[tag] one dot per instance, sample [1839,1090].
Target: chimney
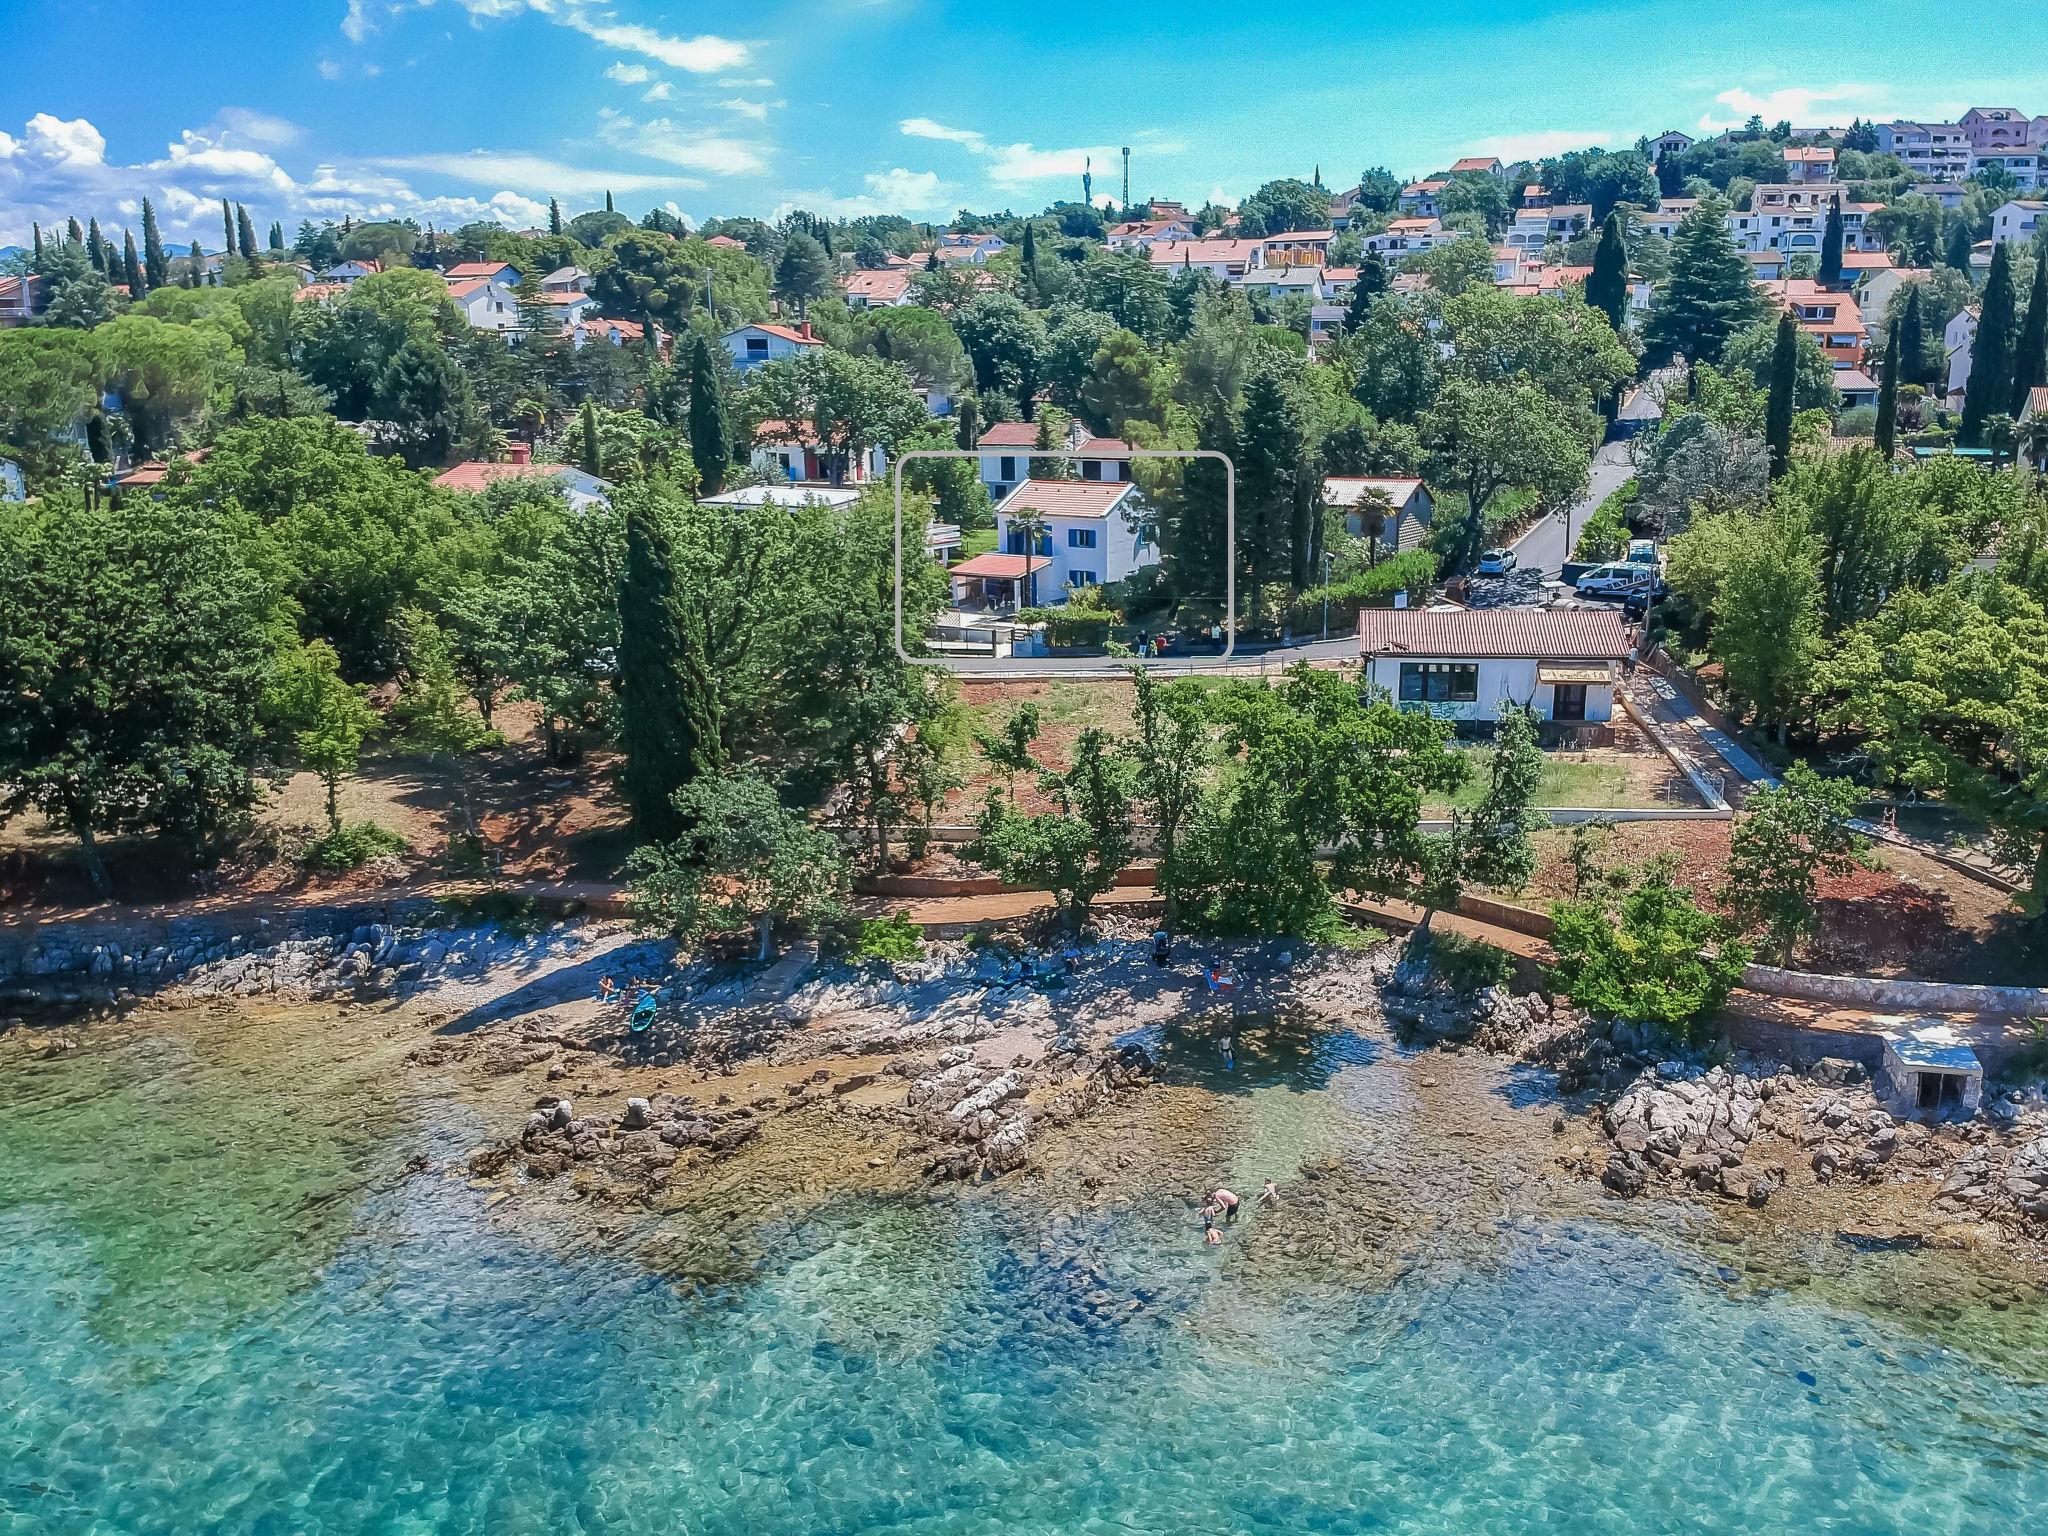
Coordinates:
[517,452]
[804,329]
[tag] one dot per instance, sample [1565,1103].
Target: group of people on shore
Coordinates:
[1222,1202]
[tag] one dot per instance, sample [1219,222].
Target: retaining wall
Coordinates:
[1899,996]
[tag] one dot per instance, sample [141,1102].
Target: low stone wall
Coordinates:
[1899,996]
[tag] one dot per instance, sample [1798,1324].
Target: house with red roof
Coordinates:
[1465,665]
[1006,456]
[793,453]
[882,288]
[583,489]
[488,305]
[763,342]
[1090,532]
[490,271]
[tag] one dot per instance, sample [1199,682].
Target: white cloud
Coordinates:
[698,55]
[1802,106]
[71,142]
[629,74]
[356,25]
[891,191]
[329,70]
[925,128]
[757,110]
[259,127]
[535,172]
[661,90]
[758,84]
[663,139]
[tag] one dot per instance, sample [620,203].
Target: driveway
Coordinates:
[1544,547]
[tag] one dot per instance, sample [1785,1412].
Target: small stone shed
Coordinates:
[1929,1072]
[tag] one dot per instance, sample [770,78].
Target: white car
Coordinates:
[1497,562]
[1617,578]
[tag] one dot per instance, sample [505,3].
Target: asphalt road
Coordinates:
[1543,546]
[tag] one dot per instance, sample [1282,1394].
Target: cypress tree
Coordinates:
[73,235]
[96,245]
[1030,257]
[156,266]
[967,428]
[2030,360]
[1913,339]
[656,730]
[608,208]
[1778,413]
[1888,396]
[554,216]
[593,460]
[710,430]
[277,237]
[131,267]
[1607,283]
[227,225]
[1831,247]
[196,267]
[1989,390]
[1371,283]
[36,235]
[245,234]
[1956,253]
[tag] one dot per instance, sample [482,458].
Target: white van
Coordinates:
[1617,578]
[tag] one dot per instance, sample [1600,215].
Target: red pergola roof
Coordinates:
[993,567]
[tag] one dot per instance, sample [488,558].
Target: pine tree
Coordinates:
[155,265]
[1831,247]
[1371,283]
[73,235]
[1780,410]
[245,234]
[656,729]
[1607,283]
[593,459]
[1991,353]
[36,234]
[277,237]
[2030,359]
[554,216]
[710,428]
[1710,297]
[96,246]
[1888,396]
[967,427]
[131,267]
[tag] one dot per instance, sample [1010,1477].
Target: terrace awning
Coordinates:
[994,567]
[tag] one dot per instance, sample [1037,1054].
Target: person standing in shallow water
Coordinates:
[1223,1201]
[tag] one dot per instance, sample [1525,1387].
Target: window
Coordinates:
[1083,579]
[1439,682]
[1091,469]
[1080,538]
[1008,470]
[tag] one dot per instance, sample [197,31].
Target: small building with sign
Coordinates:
[1463,664]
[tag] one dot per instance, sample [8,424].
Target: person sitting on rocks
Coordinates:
[607,989]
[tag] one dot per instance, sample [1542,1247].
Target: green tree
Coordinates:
[1767,619]
[554,216]
[245,235]
[1125,384]
[1784,380]
[1370,284]
[1173,756]
[131,268]
[2030,356]
[1075,850]
[745,860]
[1888,396]
[710,424]
[804,274]
[80,297]
[325,718]
[1659,958]
[1493,845]
[1709,298]
[132,661]
[1484,438]
[156,266]
[1789,835]
[1278,482]
[1831,247]
[1607,283]
[665,732]
[1990,385]
[591,455]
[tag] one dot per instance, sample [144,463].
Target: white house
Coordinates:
[1143,234]
[791,452]
[1670,142]
[1419,198]
[787,495]
[1399,506]
[566,280]
[2017,220]
[1937,151]
[1809,163]
[1874,289]
[347,272]
[583,489]
[1006,456]
[571,306]
[1283,282]
[1226,258]
[1536,227]
[1092,532]
[613,333]
[882,288]
[971,248]
[489,271]
[1957,340]
[753,345]
[488,305]
[1465,664]
[1406,237]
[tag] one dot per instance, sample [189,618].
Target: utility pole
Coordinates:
[1127,175]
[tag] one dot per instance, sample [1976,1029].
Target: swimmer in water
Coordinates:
[1270,1195]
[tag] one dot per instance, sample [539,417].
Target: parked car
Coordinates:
[1496,562]
[1617,578]
[1637,605]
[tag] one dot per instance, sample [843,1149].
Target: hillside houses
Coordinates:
[1089,532]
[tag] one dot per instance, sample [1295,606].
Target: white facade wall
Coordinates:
[1501,681]
[1116,553]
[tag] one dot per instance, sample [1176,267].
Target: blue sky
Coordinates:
[456,109]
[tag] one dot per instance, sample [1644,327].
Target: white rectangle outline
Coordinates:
[1229,536]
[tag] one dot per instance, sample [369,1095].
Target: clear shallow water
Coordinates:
[229,1307]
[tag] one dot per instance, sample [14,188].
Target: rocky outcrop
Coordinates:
[1683,1125]
[627,1158]
[980,1117]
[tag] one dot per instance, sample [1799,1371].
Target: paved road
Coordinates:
[1543,547]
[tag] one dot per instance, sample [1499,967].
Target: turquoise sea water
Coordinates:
[230,1307]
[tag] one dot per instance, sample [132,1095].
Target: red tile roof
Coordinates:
[887,283]
[475,476]
[1173,252]
[785,332]
[1349,490]
[726,243]
[998,567]
[1475,163]
[1105,447]
[1575,634]
[153,472]
[464,269]
[1009,434]
[1066,498]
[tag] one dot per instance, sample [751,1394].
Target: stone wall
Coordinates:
[1894,995]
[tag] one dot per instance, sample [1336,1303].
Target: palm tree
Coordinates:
[1028,527]
[1374,509]
[2032,439]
